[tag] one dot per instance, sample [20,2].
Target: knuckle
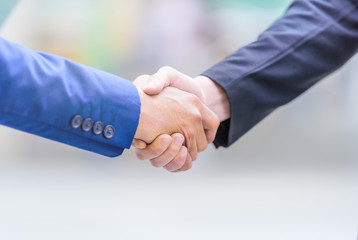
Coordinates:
[190,132]
[202,148]
[166,69]
[141,77]
[157,151]
[197,118]
[194,100]
[172,152]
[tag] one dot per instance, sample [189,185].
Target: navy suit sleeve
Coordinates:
[313,39]
[40,93]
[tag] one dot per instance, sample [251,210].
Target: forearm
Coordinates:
[40,93]
[313,39]
[215,97]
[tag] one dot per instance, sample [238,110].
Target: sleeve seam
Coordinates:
[290,48]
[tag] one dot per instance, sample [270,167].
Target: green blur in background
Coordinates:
[5,8]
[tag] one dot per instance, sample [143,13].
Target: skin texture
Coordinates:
[173,111]
[209,92]
[204,88]
[216,98]
[166,152]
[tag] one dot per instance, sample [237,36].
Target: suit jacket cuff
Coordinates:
[313,39]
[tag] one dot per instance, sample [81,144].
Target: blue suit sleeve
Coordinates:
[313,39]
[41,93]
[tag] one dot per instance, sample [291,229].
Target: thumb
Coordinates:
[139,144]
[160,80]
[167,76]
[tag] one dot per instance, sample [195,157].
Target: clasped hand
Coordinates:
[175,123]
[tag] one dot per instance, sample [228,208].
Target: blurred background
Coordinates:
[294,176]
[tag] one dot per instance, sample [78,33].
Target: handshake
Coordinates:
[179,118]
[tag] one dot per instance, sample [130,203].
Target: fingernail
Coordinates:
[179,141]
[138,145]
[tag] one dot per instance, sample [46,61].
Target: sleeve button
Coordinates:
[76,121]
[87,125]
[108,132]
[98,128]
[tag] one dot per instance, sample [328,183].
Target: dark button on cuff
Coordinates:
[76,121]
[98,128]
[87,125]
[108,132]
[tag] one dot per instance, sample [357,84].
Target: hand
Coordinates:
[206,89]
[166,151]
[209,92]
[176,111]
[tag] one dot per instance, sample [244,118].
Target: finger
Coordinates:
[191,145]
[167,76]
[139,144]
[155,149]
[210,123]
[187,165]
[141,81]
[158,81]
[201,141]
[170,153]
[178,161]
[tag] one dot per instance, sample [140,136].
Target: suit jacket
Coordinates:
[58,99]
[313,39]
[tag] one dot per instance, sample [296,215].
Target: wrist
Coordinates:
[216,97]
[142,129]
[150,124]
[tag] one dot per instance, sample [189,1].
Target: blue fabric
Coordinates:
[313,39]
[40,93]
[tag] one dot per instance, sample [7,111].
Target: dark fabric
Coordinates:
[313,39]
